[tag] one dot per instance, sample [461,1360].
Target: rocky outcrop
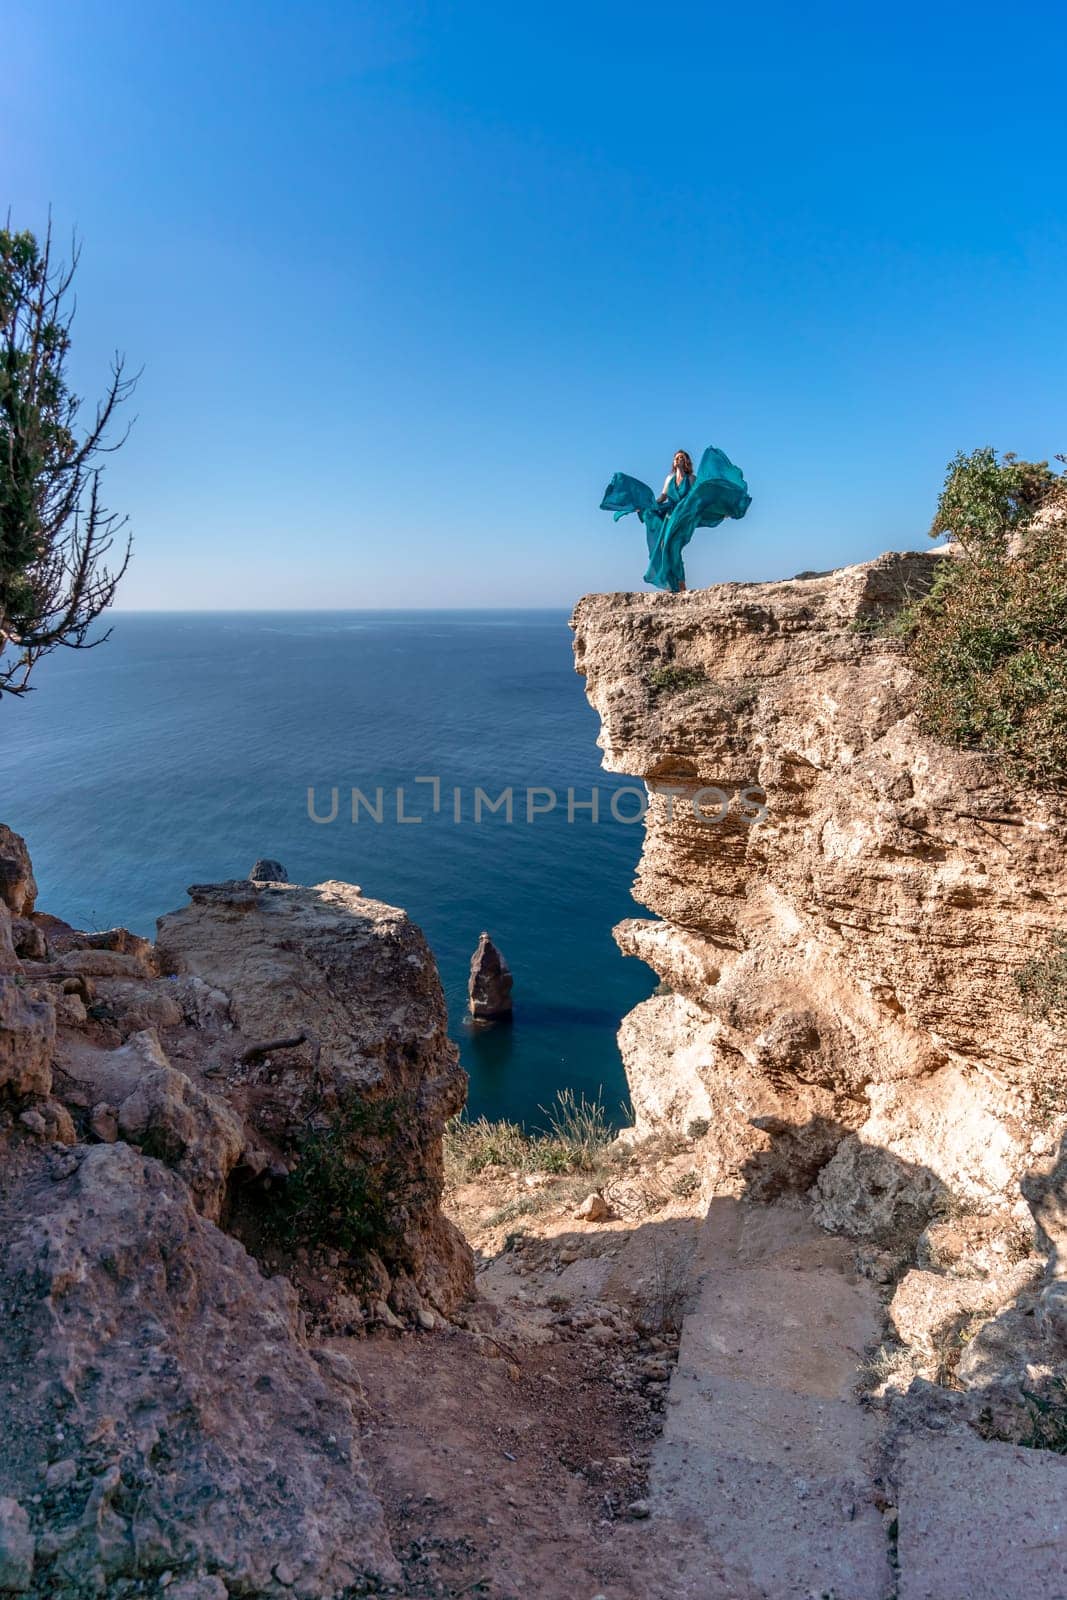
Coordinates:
[490,984]
[842,907]
[198,1166]
[177,1420]
[18,887]
[27,1039]
[342,1031]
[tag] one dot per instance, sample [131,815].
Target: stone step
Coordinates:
[980,1521]
[765,1450]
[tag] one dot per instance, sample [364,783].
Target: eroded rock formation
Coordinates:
[490,985]
[842,908]
[166,1410]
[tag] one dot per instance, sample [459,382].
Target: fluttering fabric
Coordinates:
[717,491]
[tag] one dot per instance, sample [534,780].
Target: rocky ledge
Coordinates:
[842,908]
[210,1147]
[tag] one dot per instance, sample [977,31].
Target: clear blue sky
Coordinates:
[409,281]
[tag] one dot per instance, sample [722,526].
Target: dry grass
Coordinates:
[662,1308]
[577,1137]
[891,1366]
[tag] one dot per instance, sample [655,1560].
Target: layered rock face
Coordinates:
[160,1106]
[843,905]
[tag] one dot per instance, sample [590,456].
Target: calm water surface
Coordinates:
[184,748]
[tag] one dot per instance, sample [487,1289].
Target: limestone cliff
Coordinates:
[842,907]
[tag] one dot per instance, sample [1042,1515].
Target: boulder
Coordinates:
[489,988]
[29,940]
[174,1376]
[367,1077]
[137,1004]
[927,1306]
[16,1548]
[91,962]
[49,1119]
[870,1193]
[9,961]
[196,1133]
[268,871]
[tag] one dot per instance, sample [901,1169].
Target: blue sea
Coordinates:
[184,748]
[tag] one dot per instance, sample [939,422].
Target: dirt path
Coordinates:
[506,1480]
[566,1445]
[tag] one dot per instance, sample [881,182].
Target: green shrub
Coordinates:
[990,640]
[985,498]
[350,1182]
[1048,1419]
[1042,982]
[673,679]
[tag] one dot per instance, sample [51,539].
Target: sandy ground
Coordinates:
[511,1454]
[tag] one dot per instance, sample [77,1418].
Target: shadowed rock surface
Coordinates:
[268,871]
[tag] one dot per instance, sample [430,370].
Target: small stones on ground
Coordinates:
[426,1320]
[61,1474]
[594,1208]
[638,1510]
[387,1318]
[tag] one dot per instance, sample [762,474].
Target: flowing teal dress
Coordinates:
[717,491]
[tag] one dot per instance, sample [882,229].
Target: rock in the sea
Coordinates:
[175,1376]
[489,989]
[268,871]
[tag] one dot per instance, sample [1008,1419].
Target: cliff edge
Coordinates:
[842,909]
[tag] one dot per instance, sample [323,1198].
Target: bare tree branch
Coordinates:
[55,531]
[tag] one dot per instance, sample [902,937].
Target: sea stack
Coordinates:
[489,989]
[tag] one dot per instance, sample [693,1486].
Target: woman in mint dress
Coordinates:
[690,500]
